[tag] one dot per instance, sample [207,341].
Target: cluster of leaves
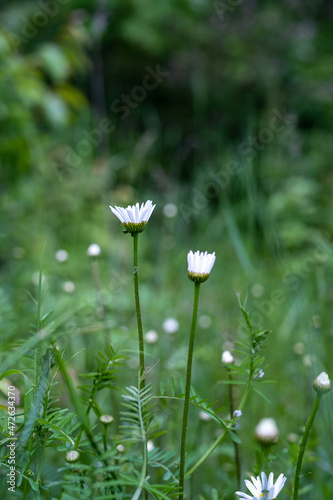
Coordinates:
[250,345]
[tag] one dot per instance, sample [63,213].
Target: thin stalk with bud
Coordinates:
[199,268]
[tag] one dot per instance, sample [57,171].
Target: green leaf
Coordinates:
[162,386]
[261,394]
[234,437]
[172,386]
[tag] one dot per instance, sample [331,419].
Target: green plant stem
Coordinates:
[138,310]
[144,471]
[187,391]
[79,434]
[105,438]
[236,448]
[303,445]
[141,345]
[37,367]
[264,454]
[41,457]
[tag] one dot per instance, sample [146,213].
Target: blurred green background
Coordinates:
[222,114]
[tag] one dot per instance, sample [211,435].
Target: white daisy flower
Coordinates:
[322,383]
[134,218]
[263,489]
[200,265]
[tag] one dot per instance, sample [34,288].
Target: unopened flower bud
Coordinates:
[151,337]
[61,255]
[150,445]
[227,358]
[322,383]
[106,419]
[266,431]
[72,456]
[94,250]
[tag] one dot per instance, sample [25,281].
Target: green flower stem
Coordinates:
[105,438]
[303,445]
[187,391]
[37,366]
[236,447]
[141,346]
[264,454]
[138,310]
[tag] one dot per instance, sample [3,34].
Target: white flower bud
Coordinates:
[227,358]
[150,445]
[151,337]
[322,383]
[267,431]
[72,456]
[61,256]
[170,325]
[106,419]
[94,250]
[68,287]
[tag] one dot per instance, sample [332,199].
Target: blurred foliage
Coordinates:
[66,67]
